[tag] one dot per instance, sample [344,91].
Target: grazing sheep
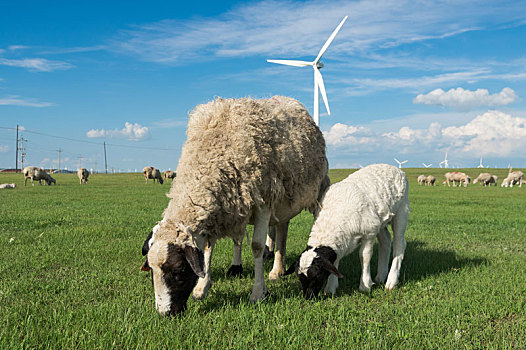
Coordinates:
[152,173]
[430,180]
[513,178]
[354,212]
[421,179]
[486,179]
[245,161]
[454,177]
[169,174]
[35,173]
[83,174]
[7,186]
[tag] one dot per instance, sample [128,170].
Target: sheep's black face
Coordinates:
[313,280]
[175,273]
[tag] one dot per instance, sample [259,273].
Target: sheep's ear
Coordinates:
[145,266]
[196,260]
[327,265]
[291,269]
[146,244]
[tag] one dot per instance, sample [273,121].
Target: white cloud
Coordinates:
[493,133]
[132,132]
[4,148]
[36,64]
[17,47]
[17,101]
[295,29]
[465,100]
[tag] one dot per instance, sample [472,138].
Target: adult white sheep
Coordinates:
[150,172]
[245,161]
[354,212]
[430,180]
[457,177]
[36,173]
[421,179]
[169,174]
[513,178]
[486,179]
[83,175]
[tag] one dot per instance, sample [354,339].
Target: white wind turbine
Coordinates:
[400,163]
[446,164]
[318,79]
[480,165]
[426,165]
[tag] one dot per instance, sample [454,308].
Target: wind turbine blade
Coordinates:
[396,160]
[316,100]
[291,63]
[319,80]
[329,41]
[405,161]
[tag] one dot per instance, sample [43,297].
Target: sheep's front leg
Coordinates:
[366,252]
[281,248]
[203,284]
[399,225]
[332,281]
[384,252]
[259,292]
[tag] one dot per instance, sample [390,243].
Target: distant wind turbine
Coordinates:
[446,164]
[400,163]
[426,165]
[318,79]
[480,165]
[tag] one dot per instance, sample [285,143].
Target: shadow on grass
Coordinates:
[419,263]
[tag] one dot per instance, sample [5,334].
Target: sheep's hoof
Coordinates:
[258,296]
[379,280]
[200,291]
[275,275]
[267,254]
[365,289]
[390,284]
[235,271]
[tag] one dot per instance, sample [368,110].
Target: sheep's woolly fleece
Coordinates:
[370,196]
[241,154]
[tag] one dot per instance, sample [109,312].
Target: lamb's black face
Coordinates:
[175,273]
[313,281]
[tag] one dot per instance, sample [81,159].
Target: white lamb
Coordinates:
[7,186]
[354,212]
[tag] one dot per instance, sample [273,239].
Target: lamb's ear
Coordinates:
[145,266]
[291,269]
[327,265]
[196,260]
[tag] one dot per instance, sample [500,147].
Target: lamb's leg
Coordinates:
[281,249]
[332,281]
[262,218]
[384,252]
[399,225]
[366,252]
[203,284]
[237,268]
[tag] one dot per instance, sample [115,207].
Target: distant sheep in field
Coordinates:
[421,179]
[83,175]
[7,186]
[430,180]
[354,212]
[513,178]
[152,173]
[457,177]
[169,174]
[245,161]
[35,173]
[486,179]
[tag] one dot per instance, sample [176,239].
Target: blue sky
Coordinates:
[404,79]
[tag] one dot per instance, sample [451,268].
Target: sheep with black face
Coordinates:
[354,212]
[245,161]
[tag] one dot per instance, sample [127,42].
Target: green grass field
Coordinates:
[70,258]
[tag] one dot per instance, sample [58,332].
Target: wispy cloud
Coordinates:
[18,101]
[465,100]
[132,132]
[17,47]
[36,64]
[294,29]
[4,148]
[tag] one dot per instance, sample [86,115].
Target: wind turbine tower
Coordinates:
[400,163]
[480,165]
[318,79]
[445,162]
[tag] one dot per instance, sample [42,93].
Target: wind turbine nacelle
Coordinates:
[319,64]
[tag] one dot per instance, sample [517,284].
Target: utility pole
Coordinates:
[16,161]
[105,159]
[59,151]
[22,153]
[80,161]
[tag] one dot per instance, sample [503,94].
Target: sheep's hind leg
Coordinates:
[203,284]
[259,292]
[281,249]
[384,252]
[269,246]
[237,268]
[399,225]
[366,252]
